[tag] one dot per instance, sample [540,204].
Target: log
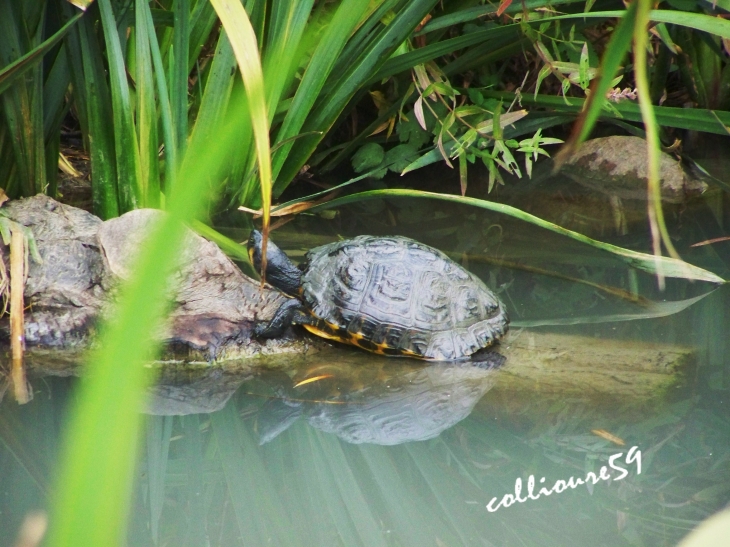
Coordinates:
[552,366]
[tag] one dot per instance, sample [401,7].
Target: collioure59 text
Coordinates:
[560,486]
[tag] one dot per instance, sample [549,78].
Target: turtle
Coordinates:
[388,295]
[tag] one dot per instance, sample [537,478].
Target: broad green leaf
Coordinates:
[369,156]
[400,156]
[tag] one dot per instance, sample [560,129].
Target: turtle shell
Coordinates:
[396,296]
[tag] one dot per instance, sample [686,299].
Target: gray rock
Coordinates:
[214,305]
[65,291]
[618,166]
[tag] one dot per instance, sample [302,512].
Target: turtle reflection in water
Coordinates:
[381,403]
[388,295]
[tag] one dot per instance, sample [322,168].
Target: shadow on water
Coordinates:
[344,448]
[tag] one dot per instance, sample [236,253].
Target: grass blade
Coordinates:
[670,267]
[179,74]
[217,93]
[129,176]
[323,60]
[93,104]
[657,225]
[22,103]
[168,133]
[244,44]
[18,67]
[94,489]
[146,112]
[343,86]
[696,119]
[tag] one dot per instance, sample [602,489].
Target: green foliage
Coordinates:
[368,157]
[439,129]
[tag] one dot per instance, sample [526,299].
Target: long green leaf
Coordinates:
[323,59]
[697,21]
[179,74]
[202,21]
[95,482]
[126,149]
[288,21]
[421,55]
[670,267]
[168,131]
[657,226]
[650,310]
[217,93]
[696,119]
[17,68]
[243,40]
[146,112]
[93,102]
[55,108]
[342,87]
[468,15]
[23,102]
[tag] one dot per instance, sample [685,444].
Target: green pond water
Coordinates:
[390,452]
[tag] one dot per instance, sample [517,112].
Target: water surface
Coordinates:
[381,452]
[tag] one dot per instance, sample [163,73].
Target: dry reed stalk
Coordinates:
[17,324]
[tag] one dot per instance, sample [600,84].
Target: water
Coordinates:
[378,451]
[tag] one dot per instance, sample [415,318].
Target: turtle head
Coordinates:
[281,272]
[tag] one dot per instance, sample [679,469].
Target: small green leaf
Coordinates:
[585,78]
[368,157]
[399,157]
[544,73]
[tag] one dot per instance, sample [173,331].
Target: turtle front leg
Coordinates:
[289,313]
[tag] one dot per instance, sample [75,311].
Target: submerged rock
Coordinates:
[618,166]
[214,305]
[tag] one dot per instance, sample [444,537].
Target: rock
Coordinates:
[214,304]
[618,166]
[65,292]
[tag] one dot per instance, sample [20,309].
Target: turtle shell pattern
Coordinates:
[395,296]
